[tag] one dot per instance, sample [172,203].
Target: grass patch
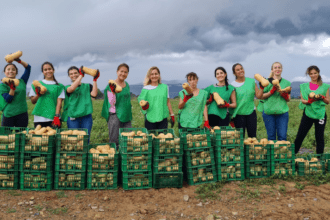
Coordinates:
[61,194]
[38,207]
[58,211]
[10,210]
[79,196]
[14,193]
[209,190]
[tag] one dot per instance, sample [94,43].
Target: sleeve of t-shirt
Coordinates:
[62,95]
[26,74]
[168,92]
[8,98]
[32,92]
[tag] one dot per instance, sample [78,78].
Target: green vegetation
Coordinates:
[10,210]
[61,194]
[14,193]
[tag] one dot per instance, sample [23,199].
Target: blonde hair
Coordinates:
[271,75]
[147,80]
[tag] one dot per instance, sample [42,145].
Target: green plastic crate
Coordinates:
[167,163]
[137,180]
[207,174]
[70,180]
[36,181]
[9,180]
[227,137]
[229,154]
[311,168]
[11,139]
[282,151]
[283,167]
[38,143]
[102,180]
[136,162]
[138,144]
[189,141]
[71,143]
[199,157]
[167,180]
[257,153]
[257,169]
[192,130]
[70,162]
[102,161]
[165,145]
[36,161]
[144,130]
[9,161]
[230,171]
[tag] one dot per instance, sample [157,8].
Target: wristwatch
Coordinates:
[58,115]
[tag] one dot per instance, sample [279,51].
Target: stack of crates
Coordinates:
[37,162]
[199,163]
[135,147]
[167,159]
[282,159]
[311,164]
[229,153]
[257,160]
[326,159]
[10,142]
[71,158]
[102,166]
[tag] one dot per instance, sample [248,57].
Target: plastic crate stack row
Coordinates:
[282,157]
[199,162]
[167,159]
[70,159]
[135,146]
[312,164]
[102,166]
[229,153]
[10,143]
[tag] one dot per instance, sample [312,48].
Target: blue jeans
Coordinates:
[82,122]
[276,124]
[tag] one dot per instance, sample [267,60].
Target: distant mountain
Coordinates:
[295,92]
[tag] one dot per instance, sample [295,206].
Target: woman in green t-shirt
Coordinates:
[157,97]
[244,114]
[47,106]
[193,106]
[314,109]
[117,107]
[13,99]
[274,107]
[78,106]
[219,115]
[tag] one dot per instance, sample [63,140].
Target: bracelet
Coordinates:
[172,115]
[57,115]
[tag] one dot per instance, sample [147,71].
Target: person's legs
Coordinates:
[225,121]
[22,120]
[73,123]
[240,122]
[281,122]
[213,120]
[305,124]
[113,126]
[43,124]
[8,122]
[149,125]
[319,134]
[162,124]
[251,124]
[87,122]
[270,123]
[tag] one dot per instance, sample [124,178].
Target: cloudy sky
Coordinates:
[177,36]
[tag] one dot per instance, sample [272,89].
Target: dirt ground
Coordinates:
[237,201]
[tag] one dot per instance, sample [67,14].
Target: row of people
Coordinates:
[194,108]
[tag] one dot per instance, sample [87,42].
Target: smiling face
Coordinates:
[239,71]
[11,71]
[192,82]
[73,74]
[48,72]
[314,75]
[122,73]
[154,76]
[220,75]
[277,69]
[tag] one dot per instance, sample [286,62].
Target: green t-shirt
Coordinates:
[275,104]
[225,94]
[78,103]
[123,104]
[18,104]
[316,110]
[245,98]
[157,98]
[46,104]
[191,116]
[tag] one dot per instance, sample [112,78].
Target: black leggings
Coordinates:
[157,125]
[248,122]
[306,124]
[21,120]
[215,120]
[43,124]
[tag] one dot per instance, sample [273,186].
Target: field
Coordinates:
[283,198]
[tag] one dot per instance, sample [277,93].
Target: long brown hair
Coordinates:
[50,64]
[319,78]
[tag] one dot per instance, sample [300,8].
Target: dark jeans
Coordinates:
[276,124]
[215,120]
[82,122]
[248,122]
[306,124]
[21,120]
[157,125]
[43,124]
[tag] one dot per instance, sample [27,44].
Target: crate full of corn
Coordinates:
[200,175]
[230,171]
[102,157]
[102,180]
[137,180]
[11,139]
[9,179]
[72,140]
[229,154]
[40,139]
[199,157]
[310,165]
[257,151]
[134,140]
[36,181]
[167,164]
[70,180]
[227,136]
[195,140]
[257,169]
[165,142]
[136,162]
[68,162]
[283,167]
[282,150]
[36,161]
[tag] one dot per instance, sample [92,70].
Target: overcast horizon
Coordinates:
[177,36]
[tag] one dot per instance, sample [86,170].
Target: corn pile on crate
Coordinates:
[257,169]
[71,140]
[230,171]
[310,165]
[102,180]
[167,164]
[195,140]
[9,179]
[280,151]
[68,162]
[136,162]
[167,180]
[70,180]
[137,180]
[201,174]
[227,137]
[165,142]
[103,157]
[134,140]
[283,167]
[257,153]
[199,157]
[38,143]
[36,161]
[36,181]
